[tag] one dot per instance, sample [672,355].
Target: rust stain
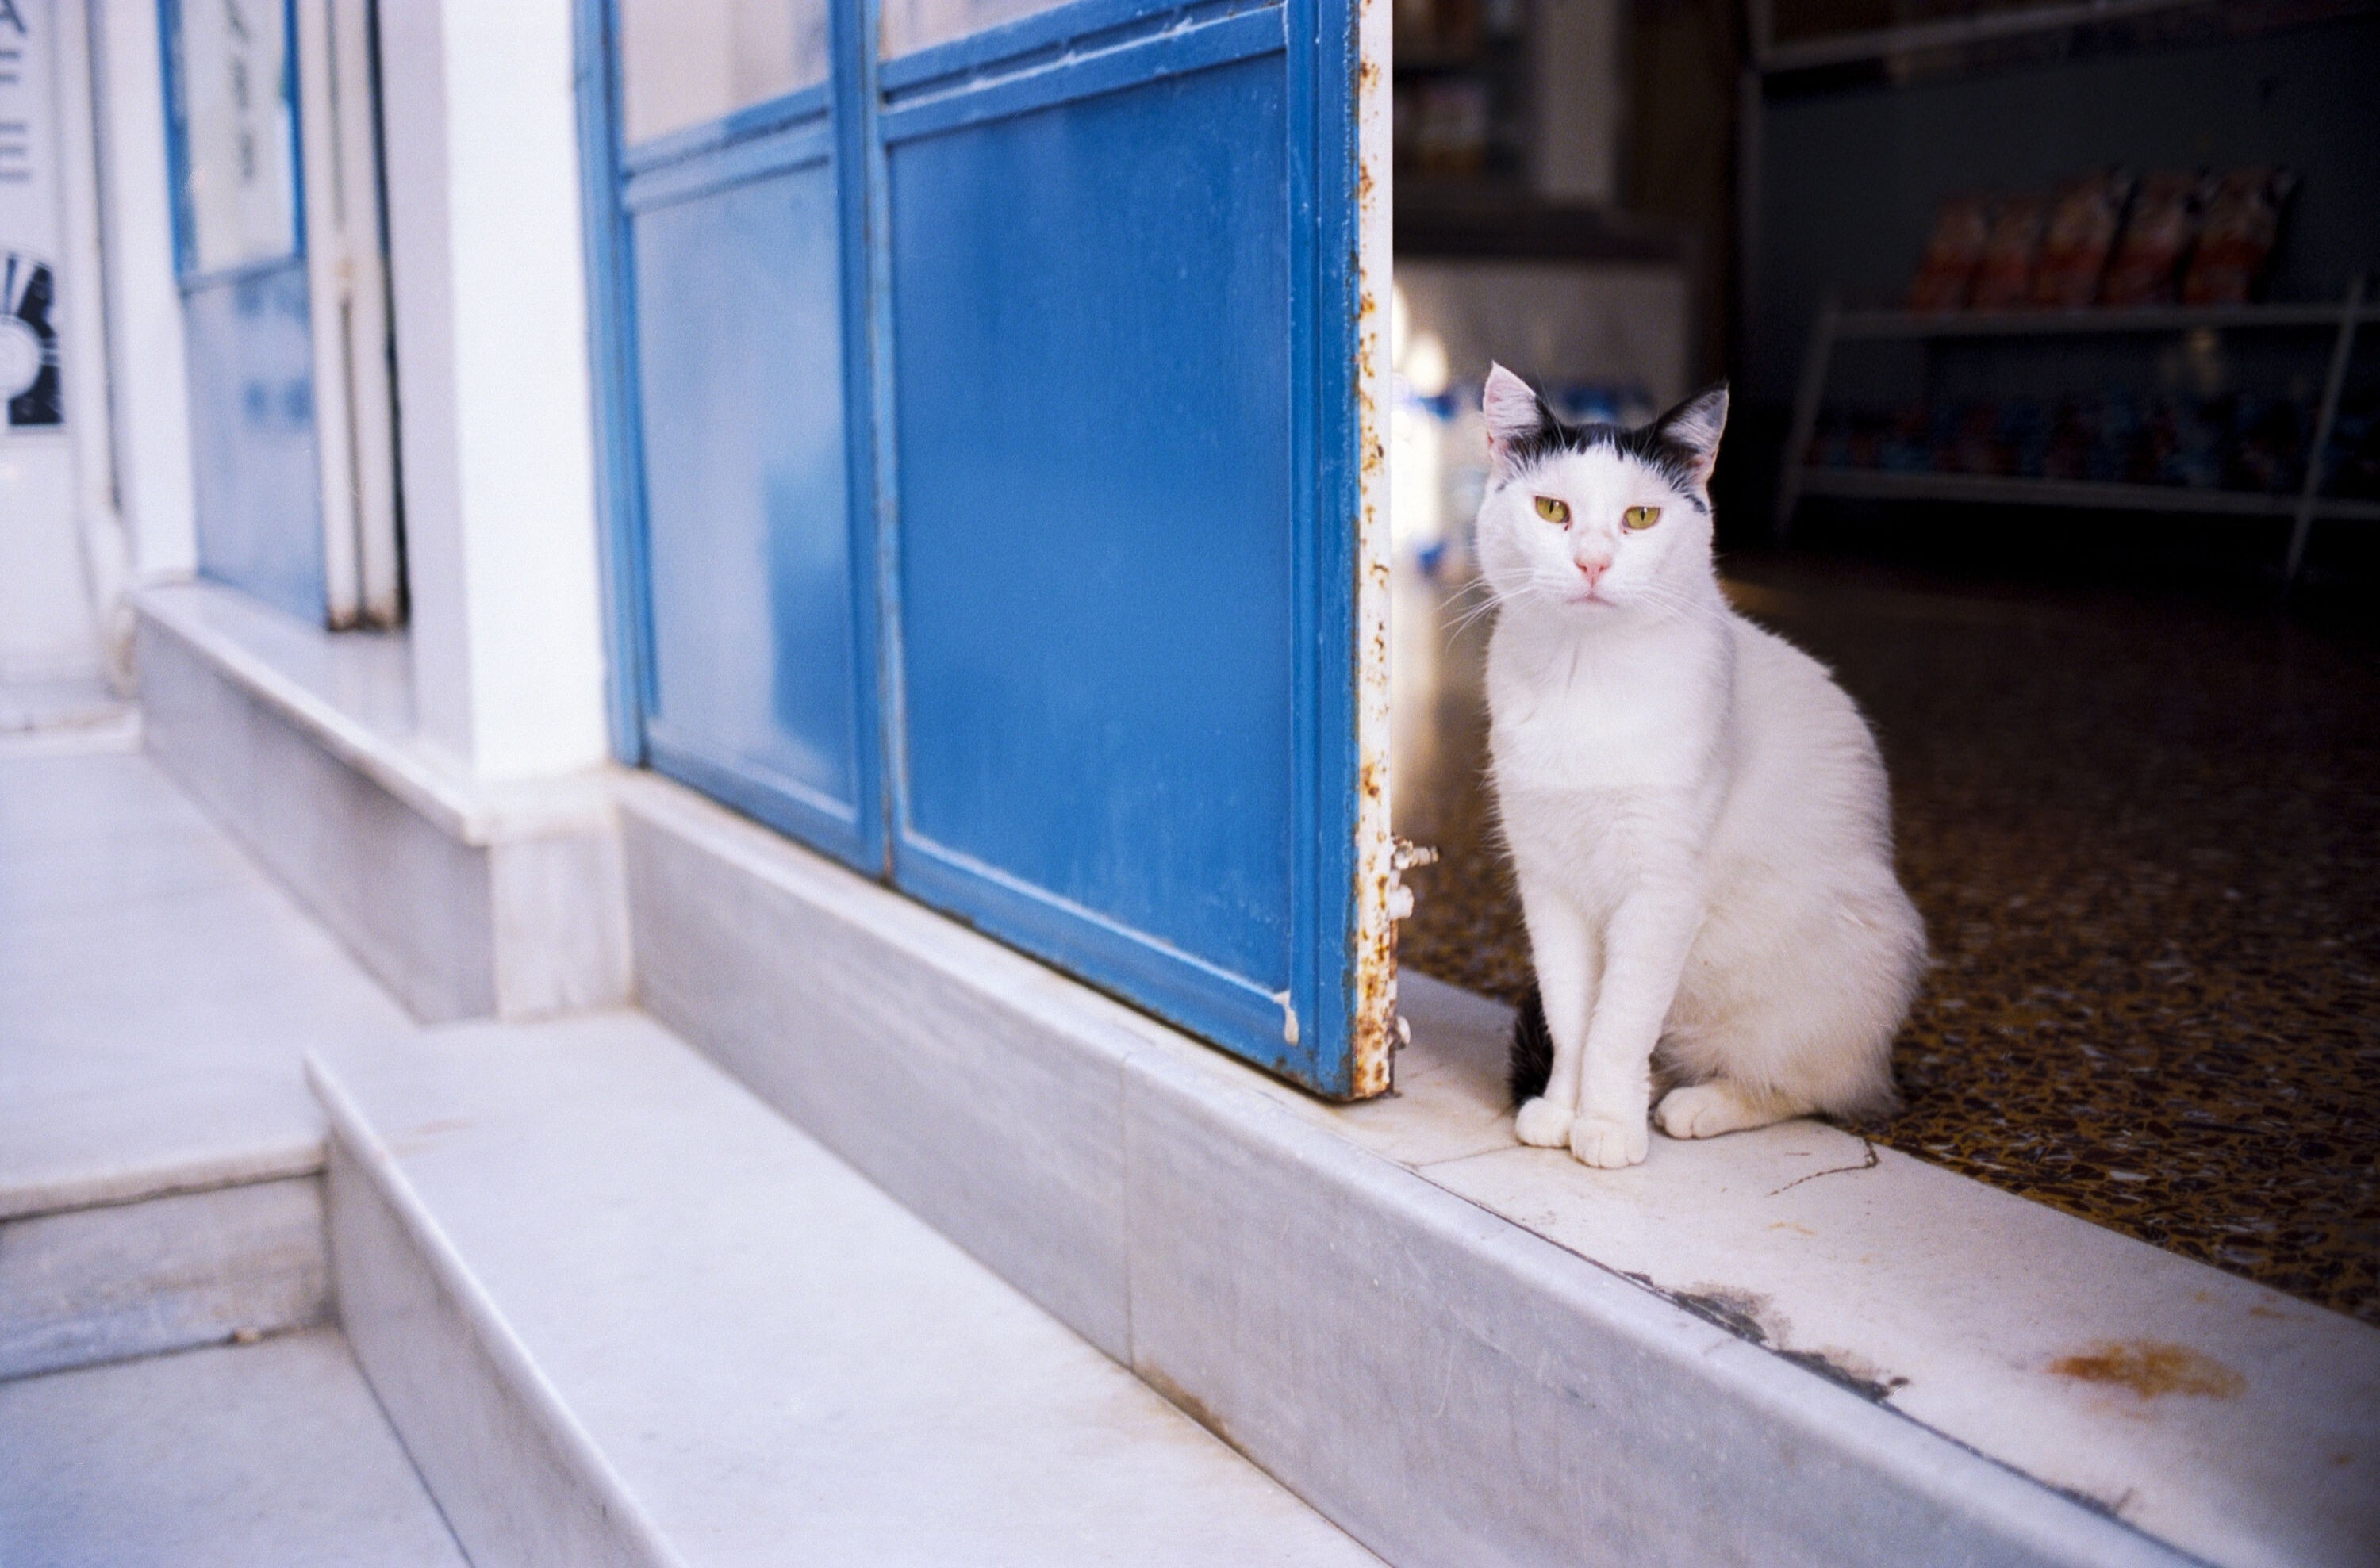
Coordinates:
[1377,892]
[1189,1404]
[2151,1369]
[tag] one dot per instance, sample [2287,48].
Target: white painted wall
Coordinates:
[493,377]
[149,377]
[47,628]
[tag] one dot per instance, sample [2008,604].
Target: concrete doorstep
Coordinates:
[1464,1352]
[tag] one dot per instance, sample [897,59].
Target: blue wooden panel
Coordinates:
[754,664]
[255,472]
[1092,366]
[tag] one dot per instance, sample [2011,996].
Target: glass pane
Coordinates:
[239,134]
[254,459]
[687,62]
[740,348]
[910,25]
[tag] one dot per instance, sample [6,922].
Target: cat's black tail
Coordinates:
[1533,1051]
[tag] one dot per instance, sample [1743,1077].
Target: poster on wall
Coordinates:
[239,130]
[31,398]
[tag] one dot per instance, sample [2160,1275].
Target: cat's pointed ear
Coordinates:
[1516,415]
[1693,428]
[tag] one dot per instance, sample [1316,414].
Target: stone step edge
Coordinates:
[167,1272]
[66,1195]
[351,1134]
[206,619]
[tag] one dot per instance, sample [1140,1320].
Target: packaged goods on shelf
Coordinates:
[2146,267]
[1946,274]
[2108,239]
[2084,222]
[2237,236]
[2005,278]
[2231,443]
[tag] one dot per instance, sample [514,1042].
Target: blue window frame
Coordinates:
[982,463]
[233,148]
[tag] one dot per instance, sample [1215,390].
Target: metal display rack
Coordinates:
[1769,55]
[1801,478]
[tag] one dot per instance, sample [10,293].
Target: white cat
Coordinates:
[1696,812]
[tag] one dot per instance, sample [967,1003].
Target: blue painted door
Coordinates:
[233,139]
[751,540]
[984,464]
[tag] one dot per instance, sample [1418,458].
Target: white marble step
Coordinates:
[266,1455]
[621,1312]
[158,993]
[159,1154]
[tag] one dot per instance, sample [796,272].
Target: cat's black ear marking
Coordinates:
[1692,429]
[1519,424]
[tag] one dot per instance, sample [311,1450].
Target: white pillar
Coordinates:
[488,282]
[107,556]
[149,378]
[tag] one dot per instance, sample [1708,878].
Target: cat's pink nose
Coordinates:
[1593,571]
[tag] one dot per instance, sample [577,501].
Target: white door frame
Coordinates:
[355,426]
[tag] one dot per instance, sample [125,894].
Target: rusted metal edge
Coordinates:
[1378,896]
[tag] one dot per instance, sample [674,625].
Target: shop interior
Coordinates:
[2055,349]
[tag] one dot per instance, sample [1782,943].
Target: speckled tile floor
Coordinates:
[2145,836]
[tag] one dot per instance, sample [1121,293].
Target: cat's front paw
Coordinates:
[1607,1144]
[1542,1125]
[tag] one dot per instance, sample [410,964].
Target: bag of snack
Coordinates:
[2084,222]
[2158,234]
[2234,239]
[2006,276]
[1947,271]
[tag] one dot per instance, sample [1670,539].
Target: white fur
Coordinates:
[1695,811]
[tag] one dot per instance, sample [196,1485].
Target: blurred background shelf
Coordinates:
[1884,484]
[1896,324]
[1987,26]
[2337,324]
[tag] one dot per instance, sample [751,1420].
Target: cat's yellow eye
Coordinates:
[1641,518]
[1553,511]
